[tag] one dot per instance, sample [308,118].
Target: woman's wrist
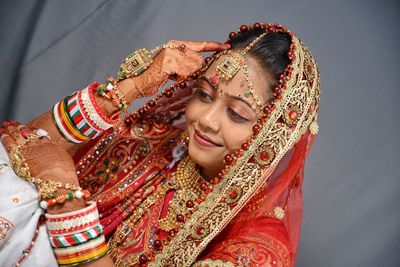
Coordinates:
[66,178]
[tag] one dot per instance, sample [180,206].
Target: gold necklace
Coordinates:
[187,192]
[184,181]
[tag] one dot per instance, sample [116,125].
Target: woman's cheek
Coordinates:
[193,110]
[235,136]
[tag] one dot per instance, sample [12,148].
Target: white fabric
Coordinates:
[19,205]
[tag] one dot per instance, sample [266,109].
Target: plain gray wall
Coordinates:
[351,188]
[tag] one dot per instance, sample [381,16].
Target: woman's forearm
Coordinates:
[46,122]
[133,88]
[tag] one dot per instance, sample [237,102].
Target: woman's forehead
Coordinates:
[238,84]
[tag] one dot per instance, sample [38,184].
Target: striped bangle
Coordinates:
[78,254]
[96,255]
[73,222]
[69,122]
[75,113]
[87,117]
[60,124]
[78,117]
[60,241]
[80,248]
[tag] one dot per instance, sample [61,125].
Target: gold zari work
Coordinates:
[214,213]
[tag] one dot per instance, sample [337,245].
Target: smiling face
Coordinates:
[219,118]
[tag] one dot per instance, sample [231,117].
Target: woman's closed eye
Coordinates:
[203,95]
[235,116]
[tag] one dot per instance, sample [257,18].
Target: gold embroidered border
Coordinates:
[214,213]
[213,263]
[6,227]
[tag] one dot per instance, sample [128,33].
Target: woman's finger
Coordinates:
[205,46]
[8,142]
[15,133]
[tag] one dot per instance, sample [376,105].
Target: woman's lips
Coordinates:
[204,140]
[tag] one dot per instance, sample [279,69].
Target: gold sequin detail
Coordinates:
[314,128]
[15,200]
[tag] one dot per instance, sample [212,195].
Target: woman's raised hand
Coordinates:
[185,57]
[178,60]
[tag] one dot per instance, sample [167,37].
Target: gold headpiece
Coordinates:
[231,65]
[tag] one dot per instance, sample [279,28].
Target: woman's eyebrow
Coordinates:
[240,98]
[204,79]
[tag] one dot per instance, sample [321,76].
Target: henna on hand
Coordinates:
[46,160]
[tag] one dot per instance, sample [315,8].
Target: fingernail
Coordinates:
[4,124]
[25,133]
[13,123]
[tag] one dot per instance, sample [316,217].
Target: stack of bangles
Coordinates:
[77,237]
[79,118]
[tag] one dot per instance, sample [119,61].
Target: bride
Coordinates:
[206,173]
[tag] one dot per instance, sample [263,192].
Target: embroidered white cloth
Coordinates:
[19,215]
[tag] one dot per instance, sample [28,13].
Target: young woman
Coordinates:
[208,173]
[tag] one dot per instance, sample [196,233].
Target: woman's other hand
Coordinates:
[45,158]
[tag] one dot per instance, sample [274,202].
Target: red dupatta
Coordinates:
[251,218]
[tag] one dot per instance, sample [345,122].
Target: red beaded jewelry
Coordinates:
[25,252]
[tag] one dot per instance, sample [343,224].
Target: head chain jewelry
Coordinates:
[231,65]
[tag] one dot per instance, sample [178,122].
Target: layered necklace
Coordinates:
[189,186]
[190,190]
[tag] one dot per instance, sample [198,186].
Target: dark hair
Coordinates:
[271,51]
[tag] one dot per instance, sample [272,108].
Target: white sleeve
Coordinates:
[19,216]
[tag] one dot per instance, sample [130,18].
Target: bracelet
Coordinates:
[78,118]
[137,62]
[68,251]
[25,252]
[73,222]
[85,194]
[18,162]
[87,116]
[60,241]
[75,113]
[96,256]
[49,188]
[65,126]
[111,92]
[81,257]
[93,110]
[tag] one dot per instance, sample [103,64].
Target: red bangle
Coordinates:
[91,90]
[73,222]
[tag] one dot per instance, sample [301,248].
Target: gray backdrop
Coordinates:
[351,213]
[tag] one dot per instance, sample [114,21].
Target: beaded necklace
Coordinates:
[190,189]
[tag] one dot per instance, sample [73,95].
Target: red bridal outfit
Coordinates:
[158,211]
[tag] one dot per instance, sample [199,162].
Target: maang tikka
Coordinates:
[231,65]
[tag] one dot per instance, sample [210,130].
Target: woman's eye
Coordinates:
[203,95]
[236,116]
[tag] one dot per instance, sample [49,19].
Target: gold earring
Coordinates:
[185,138]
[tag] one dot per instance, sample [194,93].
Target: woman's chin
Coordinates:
[204,157]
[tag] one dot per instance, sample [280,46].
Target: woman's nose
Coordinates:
[211,118]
